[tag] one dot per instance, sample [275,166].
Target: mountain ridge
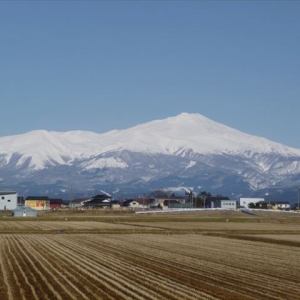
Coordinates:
[184,147]
[179,132]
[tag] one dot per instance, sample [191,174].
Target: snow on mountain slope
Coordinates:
[175,135]
[44,147]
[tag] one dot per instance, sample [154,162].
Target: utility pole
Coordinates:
[191,198]
[71,195]
[298,198]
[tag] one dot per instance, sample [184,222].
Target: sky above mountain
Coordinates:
[104,65]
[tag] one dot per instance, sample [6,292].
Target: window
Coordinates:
[2,198]
[8,200]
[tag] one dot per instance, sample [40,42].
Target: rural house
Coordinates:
[8,200]
[100,200]
[279,205]
[131,203]
[275,205]
[144,202]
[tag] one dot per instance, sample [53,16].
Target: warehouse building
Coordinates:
[220,202]
[244,202]
[38,202]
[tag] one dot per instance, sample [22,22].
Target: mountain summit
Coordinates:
[191,131]
[182,150]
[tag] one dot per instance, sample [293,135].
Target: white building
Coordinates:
[220,202]
[8,200]
[228,204]
[246,201]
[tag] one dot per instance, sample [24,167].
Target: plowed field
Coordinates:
[149,264]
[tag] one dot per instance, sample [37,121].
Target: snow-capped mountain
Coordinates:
[188,149]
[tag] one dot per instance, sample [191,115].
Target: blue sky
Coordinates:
[98,66]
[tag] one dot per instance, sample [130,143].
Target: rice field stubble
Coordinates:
[170,257]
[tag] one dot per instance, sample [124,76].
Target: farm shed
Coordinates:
[8,200]
[24,211]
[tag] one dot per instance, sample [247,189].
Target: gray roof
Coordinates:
[22,208]
[8,193]
[78,200]
[37,198]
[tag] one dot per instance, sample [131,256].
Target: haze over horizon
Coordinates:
[99,66]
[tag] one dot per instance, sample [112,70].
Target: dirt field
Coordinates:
[183,256]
